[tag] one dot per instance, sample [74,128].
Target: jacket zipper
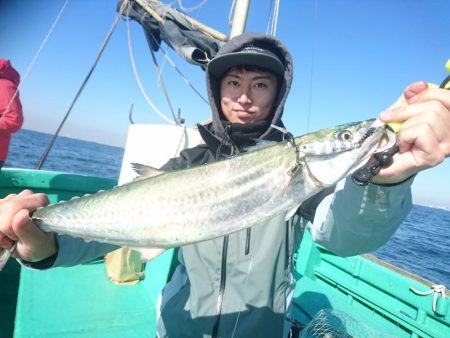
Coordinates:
[223,278]
[247,241]
[223,271]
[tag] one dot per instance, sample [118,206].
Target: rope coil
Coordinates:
[436,290]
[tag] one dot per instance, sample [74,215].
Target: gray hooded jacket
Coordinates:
[241,285]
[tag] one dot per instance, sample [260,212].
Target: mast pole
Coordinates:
[239,17]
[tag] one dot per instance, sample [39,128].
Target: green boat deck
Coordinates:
[82,302]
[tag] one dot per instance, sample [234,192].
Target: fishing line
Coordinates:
[99,54]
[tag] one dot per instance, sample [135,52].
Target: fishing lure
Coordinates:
[381,159]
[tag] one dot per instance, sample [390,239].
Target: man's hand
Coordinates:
[424,135]
[16,226]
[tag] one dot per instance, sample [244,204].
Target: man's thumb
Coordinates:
[34,244]
[25,229]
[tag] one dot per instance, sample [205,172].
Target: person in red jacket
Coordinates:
[11,116]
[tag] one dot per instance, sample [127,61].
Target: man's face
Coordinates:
[247,96]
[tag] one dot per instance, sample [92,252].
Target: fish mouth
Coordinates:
[378,138]
[368,133]
[328,169]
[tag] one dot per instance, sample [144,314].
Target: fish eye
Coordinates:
[344,135]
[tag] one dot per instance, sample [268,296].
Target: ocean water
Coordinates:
[421,245]
[67,155]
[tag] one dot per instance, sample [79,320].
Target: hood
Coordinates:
[7,72]
[236,44]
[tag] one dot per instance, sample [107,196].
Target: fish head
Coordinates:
[331,154]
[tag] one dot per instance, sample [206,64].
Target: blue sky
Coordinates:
[352,59]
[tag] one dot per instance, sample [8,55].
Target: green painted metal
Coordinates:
[57,185]
[82,302]
[9,287]
[372,292]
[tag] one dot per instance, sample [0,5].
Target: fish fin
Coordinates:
[145,171]
[148,254]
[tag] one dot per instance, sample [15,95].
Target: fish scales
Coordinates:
[176,208]
[209,201]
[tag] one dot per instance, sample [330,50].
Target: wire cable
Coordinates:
[99,54]
[272,23]
[313,52]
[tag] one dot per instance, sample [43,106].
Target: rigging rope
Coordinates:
[44,42]
[172,63]
[182,137]
[164,88]
[138,79]
[139,82]
[193,8]
[269,17]
[436,290]
[230,14]
[99,54]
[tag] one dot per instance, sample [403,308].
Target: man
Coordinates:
[11,116]
[241,285]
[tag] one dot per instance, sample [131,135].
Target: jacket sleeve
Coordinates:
[73,251]
[357,219]
[12,119]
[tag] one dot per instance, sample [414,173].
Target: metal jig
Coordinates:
[383,158]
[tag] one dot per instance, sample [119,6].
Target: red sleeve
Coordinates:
[11,120]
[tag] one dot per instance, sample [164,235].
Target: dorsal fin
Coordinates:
[145,171]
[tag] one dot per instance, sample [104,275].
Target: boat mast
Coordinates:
[239,17]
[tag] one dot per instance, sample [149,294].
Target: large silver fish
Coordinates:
[200,203]
[204,202]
